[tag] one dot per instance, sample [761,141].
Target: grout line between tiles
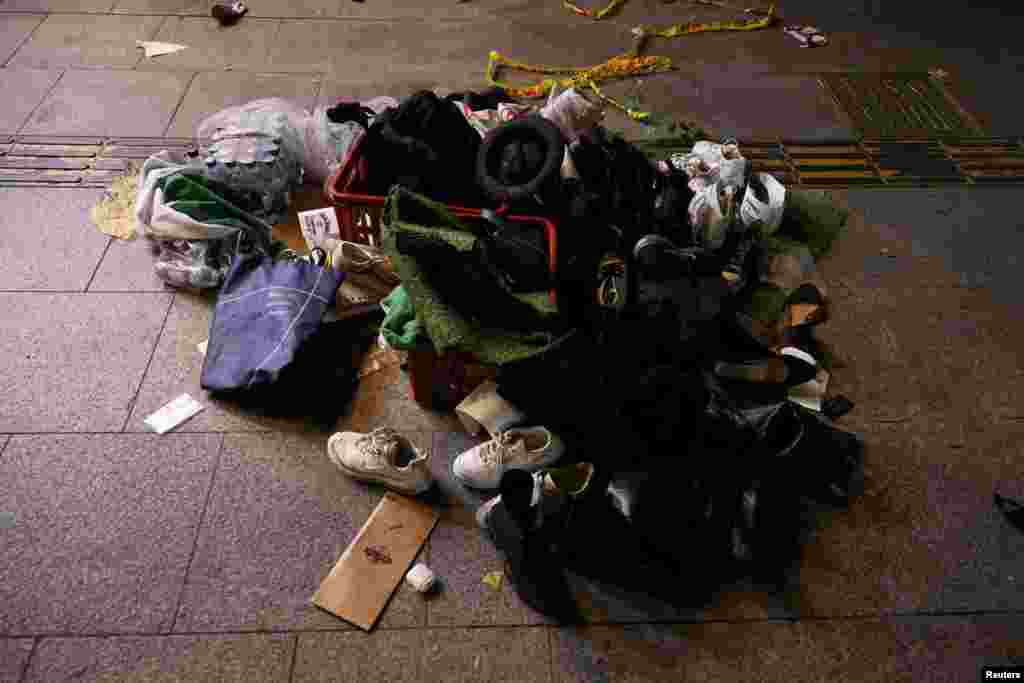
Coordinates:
[28,660]
[177,108]
[152,354]
[99,263]
[343,627]
[295,656]
[43,99]
[551,654]
[23,42]
[199,529]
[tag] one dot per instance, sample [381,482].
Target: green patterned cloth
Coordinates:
[447,329]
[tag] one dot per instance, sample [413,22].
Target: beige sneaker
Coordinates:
[352,257]
[529,449]
[375,456]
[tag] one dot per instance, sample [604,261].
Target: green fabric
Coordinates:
[401,328]
[447,329]
[811,218]
[810,227]
[190,195]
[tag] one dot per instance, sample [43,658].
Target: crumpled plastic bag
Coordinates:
[718,175]
[258,147]
[573,112]
[194,264]
[276,144]
[161,217]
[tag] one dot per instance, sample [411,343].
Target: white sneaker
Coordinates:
[529,449]
[374,457]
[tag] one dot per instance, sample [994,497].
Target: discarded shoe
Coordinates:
[375,457]
[527,449]
[354,258]
[570,481]
[661,259]
[791,368]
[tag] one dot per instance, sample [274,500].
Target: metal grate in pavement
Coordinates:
[79,161]
[899,105]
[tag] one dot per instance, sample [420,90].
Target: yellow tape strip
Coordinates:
[691,27]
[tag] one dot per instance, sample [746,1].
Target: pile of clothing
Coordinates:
[659,416]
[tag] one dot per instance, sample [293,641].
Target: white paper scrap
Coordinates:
[202,346]
[155,49]
[173,414]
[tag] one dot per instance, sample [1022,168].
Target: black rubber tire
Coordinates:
[534,127]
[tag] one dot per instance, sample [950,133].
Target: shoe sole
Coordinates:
[362,476]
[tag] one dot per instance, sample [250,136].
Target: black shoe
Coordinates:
[660,259]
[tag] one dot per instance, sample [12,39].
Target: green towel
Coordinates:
[447,329]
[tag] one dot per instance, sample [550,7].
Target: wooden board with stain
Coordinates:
[370,569]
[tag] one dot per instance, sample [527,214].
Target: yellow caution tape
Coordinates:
[690,27]
[585,77]
[622,66]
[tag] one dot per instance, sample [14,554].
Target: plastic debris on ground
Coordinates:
[493,580]
[173,414]
[114,214]
[156,49]
[807,36]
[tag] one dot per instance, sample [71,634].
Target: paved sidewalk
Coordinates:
[193,556]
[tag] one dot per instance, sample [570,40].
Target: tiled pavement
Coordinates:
[192,556]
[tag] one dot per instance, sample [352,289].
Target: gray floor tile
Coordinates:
[413,50]
[51,242]
[487,654]
[941,649]
[103,530]
[56,6]
[14,654]
[197,7]
[734,103]
[86,40]
[73,362]
[212,47]
[310,9]
[80,104]
[13,32]
[211,92]
[461,557]
[127,266]
[255,658]
[333,91]
[379,657]
[31,86]
[280,516]
[176,369]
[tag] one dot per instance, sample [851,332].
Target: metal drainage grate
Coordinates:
[899,105]
[81,161]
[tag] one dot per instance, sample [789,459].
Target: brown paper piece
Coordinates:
[358,588]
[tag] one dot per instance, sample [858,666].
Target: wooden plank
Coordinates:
[373,565]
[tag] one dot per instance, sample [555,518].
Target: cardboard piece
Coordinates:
[361,583]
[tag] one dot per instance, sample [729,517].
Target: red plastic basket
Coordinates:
[359,219]
[359,214]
